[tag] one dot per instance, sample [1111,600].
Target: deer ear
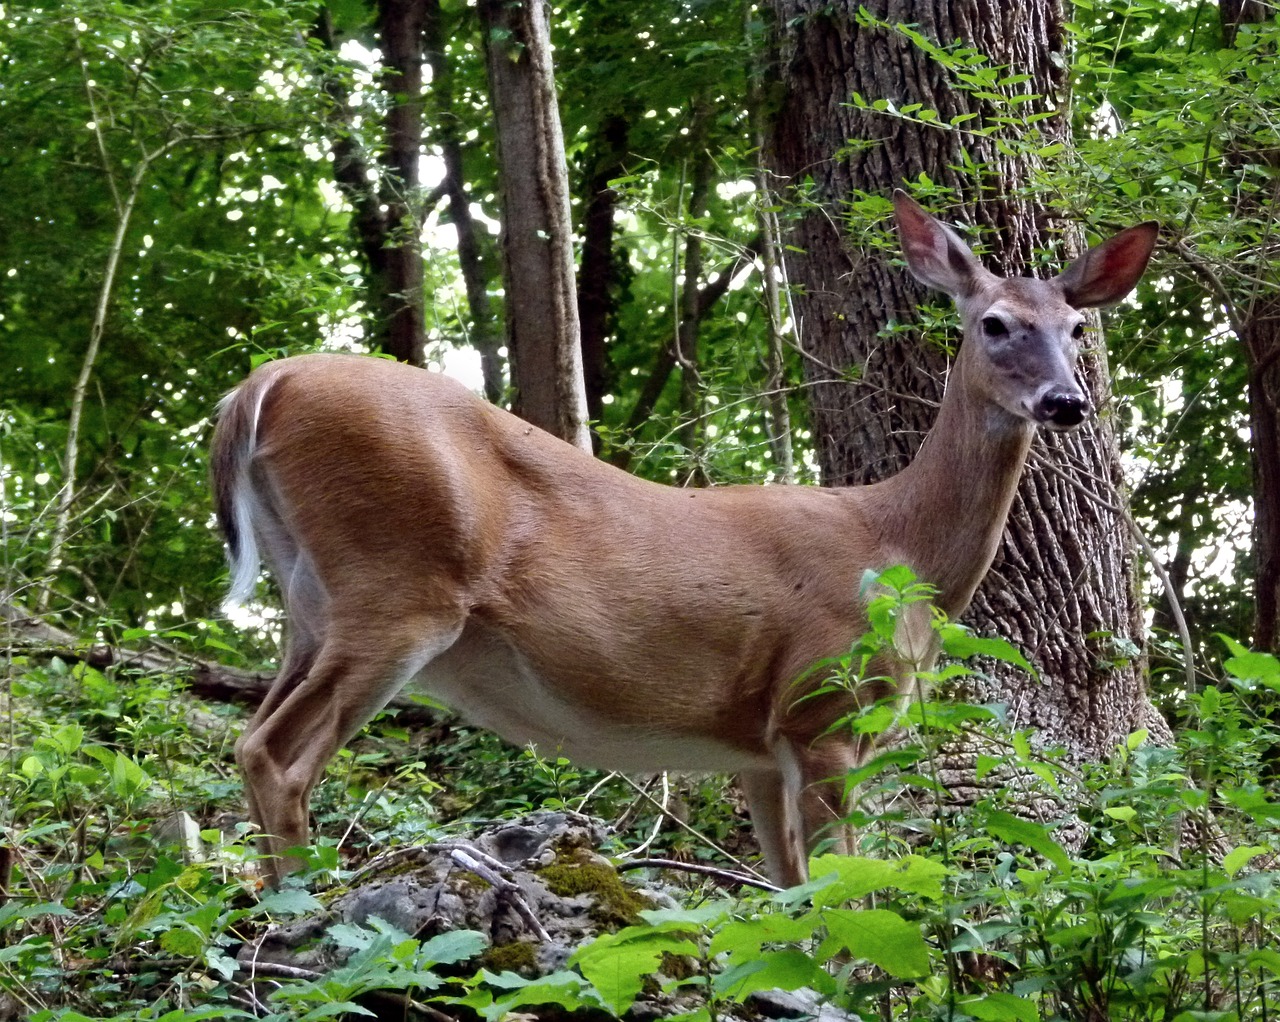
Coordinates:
[1108,272]
[935,255]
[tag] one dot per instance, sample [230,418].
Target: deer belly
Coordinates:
[491,684]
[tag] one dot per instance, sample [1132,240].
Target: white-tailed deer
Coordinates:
[420,535]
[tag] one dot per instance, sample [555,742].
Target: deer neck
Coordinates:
[944,513]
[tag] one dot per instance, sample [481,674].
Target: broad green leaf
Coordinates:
[882,938]
[289,901]
[746,936]
[183,942]
[1012,830]
[959,642]
[855,877]
[453,946]
[997,1006]
[1236,859]
[617,964]
[788,969]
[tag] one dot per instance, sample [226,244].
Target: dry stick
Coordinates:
[507,889]
[657,824]
[470,858]
[680,823]
[385,860]
[728,875]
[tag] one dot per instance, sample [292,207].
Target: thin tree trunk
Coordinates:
[665,361]
[483,335]
[124,207]
[1262,342]
[778,411]
[388,213]
[543,339]
[1062,586]
[79,394]
[685,285]
[400,24]
[596,275]
[1257,321]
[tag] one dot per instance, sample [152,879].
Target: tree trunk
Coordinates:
[1062,586]
[1257,321]
[388,214]
[1261,328]
[483,335]
[596,277]
[688,320]
[543,340]
[400,33]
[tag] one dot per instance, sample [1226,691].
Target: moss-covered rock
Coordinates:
[518,956]
[614,904]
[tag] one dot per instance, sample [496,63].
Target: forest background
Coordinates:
[190,189]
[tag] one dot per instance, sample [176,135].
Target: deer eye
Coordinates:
[993,326]
[1077,331]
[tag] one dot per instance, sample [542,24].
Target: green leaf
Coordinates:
[997,1006]
[743,937]
[453,946]
[789,969]
[1236,859]
[128,779]
[618,963]
[1012,830]
[1250,666]
[882,938]
[183,942]
[959,642]
[289,901]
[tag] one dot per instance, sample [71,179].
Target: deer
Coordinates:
[422,536]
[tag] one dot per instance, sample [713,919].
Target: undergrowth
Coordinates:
[1169,910]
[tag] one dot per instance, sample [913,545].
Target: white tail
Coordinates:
[420,535]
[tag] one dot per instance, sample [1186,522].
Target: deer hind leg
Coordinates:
[321,699]
[305,607]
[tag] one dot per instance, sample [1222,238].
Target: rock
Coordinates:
[550,864]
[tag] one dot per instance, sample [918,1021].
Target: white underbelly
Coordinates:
[487,681]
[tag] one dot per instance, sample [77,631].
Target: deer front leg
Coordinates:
[775,815]
[800,804]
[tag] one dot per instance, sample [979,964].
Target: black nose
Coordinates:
[1062,411]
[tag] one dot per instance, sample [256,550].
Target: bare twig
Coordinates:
[507,889]
[727,875]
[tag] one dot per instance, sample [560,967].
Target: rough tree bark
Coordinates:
[543,340]
[1062,586]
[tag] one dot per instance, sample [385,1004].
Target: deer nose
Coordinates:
[1062,410]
